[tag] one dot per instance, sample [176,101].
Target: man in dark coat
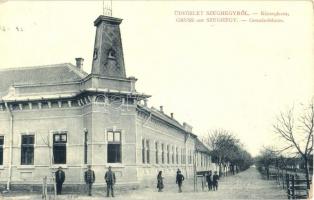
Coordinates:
[215,181]
[60,177]
[179,180]
[110,178]
[89,177]
[209,180]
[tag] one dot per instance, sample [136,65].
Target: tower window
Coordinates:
[114,147]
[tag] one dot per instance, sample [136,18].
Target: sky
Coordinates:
[235,76]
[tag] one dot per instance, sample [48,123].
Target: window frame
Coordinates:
[168,154]
[177,155]
[143,151]
[25,147]
[114,142]
[147,151]
[157,153]
[163,153]
[85,147]
[60,143]
[2,150]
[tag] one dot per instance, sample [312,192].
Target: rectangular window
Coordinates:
[182,156]
[85,147]
[110,136]
[59,148]
[114,147]
[27,150]
[172,155]
[201,160]
[143,151]
[157,153]
[168,154]
[147,152]
[177,155]
[1,149]
[162,153]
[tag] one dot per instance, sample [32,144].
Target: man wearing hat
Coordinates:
[60,177]
[215,181]
[179,180]
[110,178]
[89,177]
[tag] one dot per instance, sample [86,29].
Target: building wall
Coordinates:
[106,118]
[42,123]
[95,118]
[155,131]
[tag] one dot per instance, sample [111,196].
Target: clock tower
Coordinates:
[108,53]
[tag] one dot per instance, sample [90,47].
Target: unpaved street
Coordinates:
[245,185]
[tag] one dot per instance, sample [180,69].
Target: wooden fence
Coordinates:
[294,183]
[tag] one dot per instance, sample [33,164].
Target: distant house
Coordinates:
[58,115]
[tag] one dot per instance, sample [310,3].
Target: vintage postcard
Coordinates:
[156,99]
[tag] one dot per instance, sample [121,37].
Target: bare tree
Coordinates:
[298,134]
[222,144]
[267,158]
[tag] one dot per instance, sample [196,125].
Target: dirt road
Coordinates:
[245,185]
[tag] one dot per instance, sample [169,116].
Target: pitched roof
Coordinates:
[160,115]
[164,117]
[200,146]
[46,74]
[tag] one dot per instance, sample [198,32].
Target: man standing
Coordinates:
[215,181]
[60,177]
[110,178]
[179,180]
[209,180]
[89,177]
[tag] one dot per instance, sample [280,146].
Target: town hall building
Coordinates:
[59,115]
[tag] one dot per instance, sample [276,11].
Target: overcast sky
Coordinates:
[236,76]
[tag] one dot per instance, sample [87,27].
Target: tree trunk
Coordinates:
[220,173]
[220,167]
[267,172]
[306,163]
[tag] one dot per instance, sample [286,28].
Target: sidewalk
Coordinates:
[245,185]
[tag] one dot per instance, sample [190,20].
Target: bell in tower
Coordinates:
[108,53]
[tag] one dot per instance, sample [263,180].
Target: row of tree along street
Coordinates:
[228,152]
[295,156]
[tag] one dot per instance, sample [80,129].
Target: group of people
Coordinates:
[89,177]
[212,180]
[179,180]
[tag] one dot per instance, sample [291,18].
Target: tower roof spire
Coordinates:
[108,53]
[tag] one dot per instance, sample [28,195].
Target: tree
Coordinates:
[226,149]
[242,159]
[298,134]
[267,158]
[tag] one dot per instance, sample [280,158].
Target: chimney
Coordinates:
[171,114]
[79,62]
[162,109]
